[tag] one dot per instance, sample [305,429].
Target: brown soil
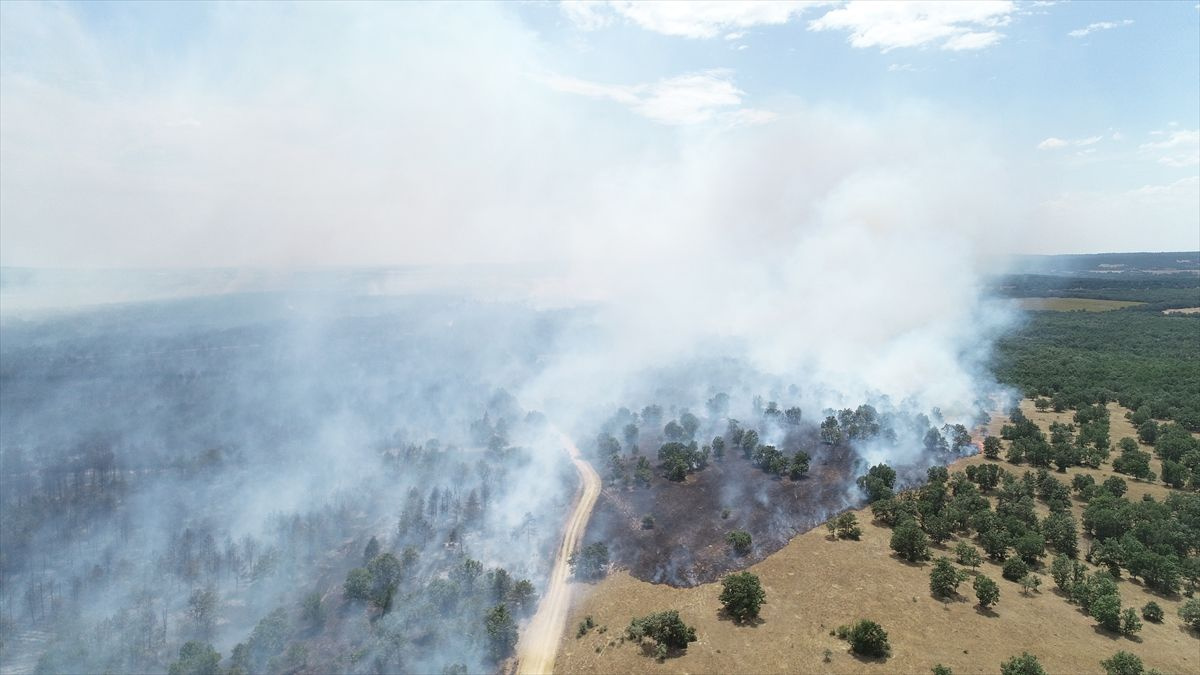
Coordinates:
[814,584]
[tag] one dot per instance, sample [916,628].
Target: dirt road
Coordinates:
[539,643]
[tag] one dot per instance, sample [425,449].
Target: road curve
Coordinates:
[539,643]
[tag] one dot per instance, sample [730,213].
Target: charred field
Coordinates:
[687,545]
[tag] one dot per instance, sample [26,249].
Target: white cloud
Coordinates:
[687,19]
[888,25]
[969,41]
[735,36]
[686,99]
[1180,149]
[1098,26]
[901,67]
[1164,214]
[1053,143]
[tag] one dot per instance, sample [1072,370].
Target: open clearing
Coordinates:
[1073,304]
[814,584]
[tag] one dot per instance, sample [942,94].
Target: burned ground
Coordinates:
[687,546]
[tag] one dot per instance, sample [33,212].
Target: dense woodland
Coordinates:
[1138,356]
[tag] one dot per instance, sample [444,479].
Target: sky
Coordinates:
[213,134]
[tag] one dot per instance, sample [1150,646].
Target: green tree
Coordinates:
[1014,569]
[1061,570]
[846,526]
[1130,623]
[991,447]
[944,578]
[910,541]
[869,639]
[878,482]
[371,550]
[1190,613]
[799,465]
[501,632]
[967,554]
[1123,663]
[386,571]
[740,541]
[986,591]
[196,658]
[312,612]
[1025,664]
[1106,610]
[742,595]
[358,584]
[522,597]
[590,562]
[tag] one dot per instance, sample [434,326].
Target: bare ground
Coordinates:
[814,584]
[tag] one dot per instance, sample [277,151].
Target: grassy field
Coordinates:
[1073,304]
[815,584]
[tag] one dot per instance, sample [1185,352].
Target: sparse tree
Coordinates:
[1130,623]
[1014,569]
[666,629]
[991,447]
[1190,613]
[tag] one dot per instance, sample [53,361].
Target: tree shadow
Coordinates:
[1101,630]
[986,611]
[753,622]
[905,561]
[863,658]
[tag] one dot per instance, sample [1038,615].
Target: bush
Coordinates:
[1025,664]
[1014,569]
[939,669]
[666,629]
[742,595]
[967,554]
[739,541]
[1123,663]
[1152,612]
[869,639]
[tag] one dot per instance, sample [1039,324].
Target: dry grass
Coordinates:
[1073,304]
[814,584]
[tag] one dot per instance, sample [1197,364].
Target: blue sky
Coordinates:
[212,133]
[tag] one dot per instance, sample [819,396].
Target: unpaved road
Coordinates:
[539,643]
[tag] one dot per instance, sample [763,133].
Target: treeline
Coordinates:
[1141,360]
[1159,291]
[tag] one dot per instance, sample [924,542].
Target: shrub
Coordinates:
[1123,663]
[666,629]
[939,669]
[869,639]
[1152,612]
